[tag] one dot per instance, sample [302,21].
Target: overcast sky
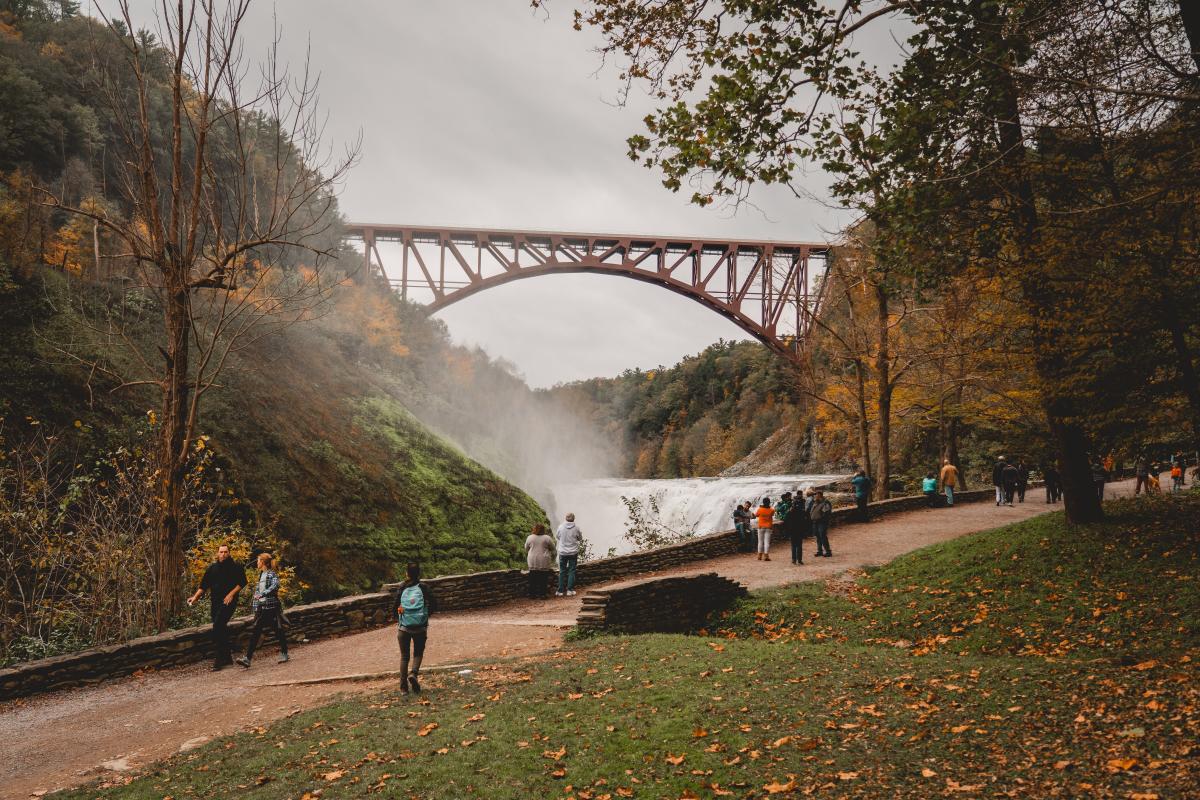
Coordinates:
[486,113]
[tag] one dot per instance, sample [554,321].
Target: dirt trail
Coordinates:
[63,739]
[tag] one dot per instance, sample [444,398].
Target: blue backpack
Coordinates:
[413,611]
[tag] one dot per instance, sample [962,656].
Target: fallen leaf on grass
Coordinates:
[676,760]
[1121,764]
[699,733]
[779,788]
[333,776]
[847,776]
[476,718]
[1062,764]
[926,772]
[555,754]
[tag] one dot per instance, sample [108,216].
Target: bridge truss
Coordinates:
[770,289]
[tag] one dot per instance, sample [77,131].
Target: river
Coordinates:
[698,505]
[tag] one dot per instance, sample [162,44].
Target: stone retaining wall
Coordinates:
[662,605]
[368,611]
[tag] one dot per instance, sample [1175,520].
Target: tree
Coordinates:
[941,149]
[220,190]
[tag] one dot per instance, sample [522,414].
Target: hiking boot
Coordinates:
[414,684]
[766,556]
[243,661]
[283,659]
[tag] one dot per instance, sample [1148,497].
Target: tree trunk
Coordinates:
[1079,497]
[864,426]
[1187,369]
[1189,12]
[173,456]
[884,395]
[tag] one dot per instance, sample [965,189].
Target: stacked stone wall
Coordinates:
[662,605]
[368,611]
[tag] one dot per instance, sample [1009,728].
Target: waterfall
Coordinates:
[699,505]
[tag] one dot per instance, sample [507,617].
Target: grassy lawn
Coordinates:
[1030,661]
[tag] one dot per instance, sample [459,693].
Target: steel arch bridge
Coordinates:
[770,289]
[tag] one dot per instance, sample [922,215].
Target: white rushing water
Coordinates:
[702,505]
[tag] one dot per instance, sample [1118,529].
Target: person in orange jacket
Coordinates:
[766,519]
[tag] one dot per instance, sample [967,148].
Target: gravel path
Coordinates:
[63,739]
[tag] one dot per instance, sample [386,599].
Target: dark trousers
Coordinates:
[863,514]
[414,641]
[221,614]
[1142,481]
[931,499]
[1021,487]
[1009,490]
[821,531]
[566,573]
[538,583]
[797,542]
[267,618]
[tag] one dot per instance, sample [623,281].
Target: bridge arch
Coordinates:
[769,289]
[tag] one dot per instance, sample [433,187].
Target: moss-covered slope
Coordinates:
[315,437]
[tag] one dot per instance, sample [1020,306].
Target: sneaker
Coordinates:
[570,593]
[283,659]
[414,684]
[558,594]
[242,661]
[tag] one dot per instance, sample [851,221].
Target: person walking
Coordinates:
[820,512]
[741,523]
[796,527]
[1099,478]
[1177,477]
[570,540]
[268,611]
[998,478]
[949,480]
[415,603]
[1022,480]
[1008,482]
[1053,483]
[1141,471]
[862,491]
[223,580]
[766,520]
[539,557]
[929,486]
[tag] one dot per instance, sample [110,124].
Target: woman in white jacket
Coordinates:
[539,555]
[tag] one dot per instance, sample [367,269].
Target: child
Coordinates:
[929,487]
[1176,477]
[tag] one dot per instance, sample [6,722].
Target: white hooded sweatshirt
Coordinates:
[569,539]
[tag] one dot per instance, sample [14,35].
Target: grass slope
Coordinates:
[805,692]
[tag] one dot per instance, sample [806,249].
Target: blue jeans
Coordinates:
[745,538]
[821,532]
[949,495]
[566,573]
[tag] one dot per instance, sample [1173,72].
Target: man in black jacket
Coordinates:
[998,478]
[223,580]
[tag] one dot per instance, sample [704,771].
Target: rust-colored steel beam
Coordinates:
[752,283]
